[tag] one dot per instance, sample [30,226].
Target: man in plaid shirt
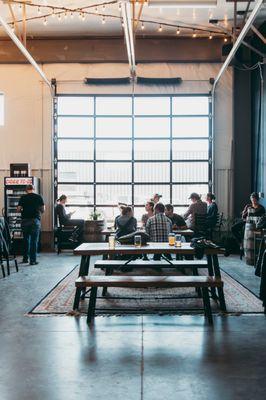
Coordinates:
[159,226]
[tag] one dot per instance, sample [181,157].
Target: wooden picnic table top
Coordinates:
[184,232]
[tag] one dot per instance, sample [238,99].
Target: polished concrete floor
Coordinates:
[134,357]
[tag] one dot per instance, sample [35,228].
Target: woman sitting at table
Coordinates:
[212,210]
[149,207]
[65,219]
[125,223]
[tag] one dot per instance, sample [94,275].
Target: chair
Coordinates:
[201,228]
[6,247]
[218,226]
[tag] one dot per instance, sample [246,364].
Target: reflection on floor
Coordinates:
[134,357]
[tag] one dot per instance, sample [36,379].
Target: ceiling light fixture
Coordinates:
[39,10]
[103,20]
[142,27]
[53,14]
[160,28]
[225,39]
[210,36]
[178,30]
[194,34]
[45,21]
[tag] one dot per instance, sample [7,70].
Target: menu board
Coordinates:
[18,181]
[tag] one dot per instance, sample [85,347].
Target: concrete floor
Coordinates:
[134,357]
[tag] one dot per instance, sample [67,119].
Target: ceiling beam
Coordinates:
[238,42]
[136,22]
[22,48]
[24,25]
[257,32]
[129,35]
[14,19]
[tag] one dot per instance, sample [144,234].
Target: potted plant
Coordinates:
[93,227]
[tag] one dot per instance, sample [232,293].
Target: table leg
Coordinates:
[84,266]
[211,273]
[217,273]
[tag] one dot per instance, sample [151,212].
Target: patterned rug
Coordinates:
[121,301]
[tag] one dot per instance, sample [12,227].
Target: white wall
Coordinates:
[27,132]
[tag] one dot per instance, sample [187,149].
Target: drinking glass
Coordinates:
[111,241]
[178,240]
[171,239]
[137,240]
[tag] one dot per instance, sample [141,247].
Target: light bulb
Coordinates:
[13,27]
[194,34]
[142,27]
[225,39]
[66,15]
[83,17]
[210,36]
[103,7]
[53,14]
[71,15]
[59,17]
[119,6]
[160,28]
[178,31]
[39,10]
[45,21]
[96,10]
[103,20]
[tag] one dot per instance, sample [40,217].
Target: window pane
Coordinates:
[81,212]
[75,172]
[151,127]
[114,127]
[190,105]
[113,172]
[195,127]
[190,172]
[181,193]
[112,194]
[190,149]
[75,127]
[152,149]
[109,213]
[151,172]
[151,105]
[75,149]
[113,105]
[142,193]
[1,109]
[114,150]
[77,194]
[75,105]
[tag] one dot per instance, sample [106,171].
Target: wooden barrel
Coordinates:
[249,243]
[93,231]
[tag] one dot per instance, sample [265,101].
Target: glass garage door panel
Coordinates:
[152,149]
[142,193]
[112,194]
[193,105]
[114,150]
[77,194]
[151,127]
[181,193]
[152,105]
[113,105]
[190,171]
[190,127]
[75,127]
[75,149]
[113,172]
[81,212]
[113,127]
[75,172]
[151,172]
[190,149]
[78,105]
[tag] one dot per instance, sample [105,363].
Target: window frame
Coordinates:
[134,138]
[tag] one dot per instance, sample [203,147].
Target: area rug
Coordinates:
[121,301]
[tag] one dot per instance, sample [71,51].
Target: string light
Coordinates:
[160,28]
[53,14]
[194,34]
[178,30]
[225,39]
[39,10]
[103,20]
[80,15]
[59,17]
[104,7]
[13,27]
[119,6]
[210,36]
[142,27]
[66,15]
[45,21]
[83,17]
[96,10]
[122,24]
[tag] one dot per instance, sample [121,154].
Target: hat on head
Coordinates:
[194,195]
[158,195]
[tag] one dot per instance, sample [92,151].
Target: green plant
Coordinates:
[95,215]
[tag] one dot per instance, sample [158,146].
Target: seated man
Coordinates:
[125,223]
[178,222]
[158,227]
[197,206]
[252,209]
[65,219]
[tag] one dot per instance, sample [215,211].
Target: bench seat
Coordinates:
[202,282]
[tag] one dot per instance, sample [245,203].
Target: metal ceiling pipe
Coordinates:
[129,35]
[24,51]
[240,38]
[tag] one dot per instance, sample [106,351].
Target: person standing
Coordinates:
[31,206]
[197,206]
